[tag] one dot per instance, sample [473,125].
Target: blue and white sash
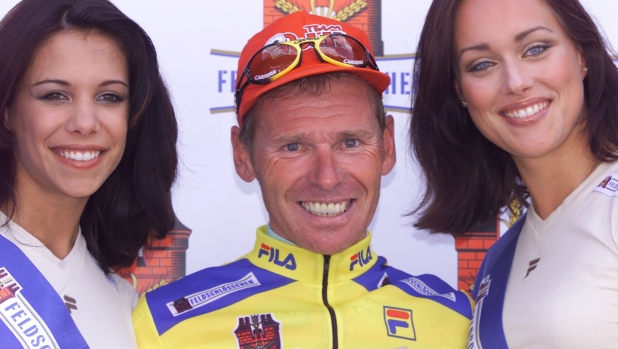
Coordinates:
[32,313]
[486,329]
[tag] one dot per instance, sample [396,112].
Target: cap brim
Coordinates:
[378,80]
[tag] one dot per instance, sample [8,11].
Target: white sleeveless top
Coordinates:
[100,305]
[563,287]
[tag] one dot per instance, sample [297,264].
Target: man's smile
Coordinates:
[326,209]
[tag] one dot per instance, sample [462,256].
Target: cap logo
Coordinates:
[312,31]
[281,37]
[316,30]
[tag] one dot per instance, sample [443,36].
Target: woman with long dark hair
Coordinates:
[518,100]
[87,161]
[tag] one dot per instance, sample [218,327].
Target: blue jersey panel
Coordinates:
[209,290]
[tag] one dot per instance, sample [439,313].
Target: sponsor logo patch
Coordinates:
[199,299]
[259,331]
[19,316]
[273,256]
[399,323]
[609,185]
[317,30]
[425,290]
[312,31]
[361,258]
[532,265]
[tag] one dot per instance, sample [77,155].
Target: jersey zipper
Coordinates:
[331,311]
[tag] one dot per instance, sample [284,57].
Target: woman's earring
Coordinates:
[465,105]
[585,69]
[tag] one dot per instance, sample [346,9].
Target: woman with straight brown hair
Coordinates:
[87,161]
[518,100]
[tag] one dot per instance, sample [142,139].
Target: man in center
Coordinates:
[313,132]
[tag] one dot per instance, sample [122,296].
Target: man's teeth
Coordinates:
[527,112]
[79,155]
[324,209]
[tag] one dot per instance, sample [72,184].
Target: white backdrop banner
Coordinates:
[198,43]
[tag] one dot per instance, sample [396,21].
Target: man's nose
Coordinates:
[326,173]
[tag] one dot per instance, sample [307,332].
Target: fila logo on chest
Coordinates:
[532,265]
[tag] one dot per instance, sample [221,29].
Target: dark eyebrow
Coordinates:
[111,82]
[66,83]
[481,47]
[522,35]
[58,82]
[518,37]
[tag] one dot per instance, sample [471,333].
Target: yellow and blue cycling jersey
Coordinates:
[282,296]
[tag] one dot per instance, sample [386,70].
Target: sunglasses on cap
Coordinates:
[273,61]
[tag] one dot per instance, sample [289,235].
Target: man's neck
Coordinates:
[276,236]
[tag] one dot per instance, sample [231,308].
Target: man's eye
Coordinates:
[292,147]
[350,143]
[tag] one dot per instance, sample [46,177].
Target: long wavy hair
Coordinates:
[134,203]
[468,178]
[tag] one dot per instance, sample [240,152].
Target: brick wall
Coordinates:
[471,249]
[160,262]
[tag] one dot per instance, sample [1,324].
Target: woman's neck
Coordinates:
[552,179]
[50,217]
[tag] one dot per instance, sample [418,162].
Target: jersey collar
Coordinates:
[297,263]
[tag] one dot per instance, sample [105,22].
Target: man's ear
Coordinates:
[242,157]
[388,139]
